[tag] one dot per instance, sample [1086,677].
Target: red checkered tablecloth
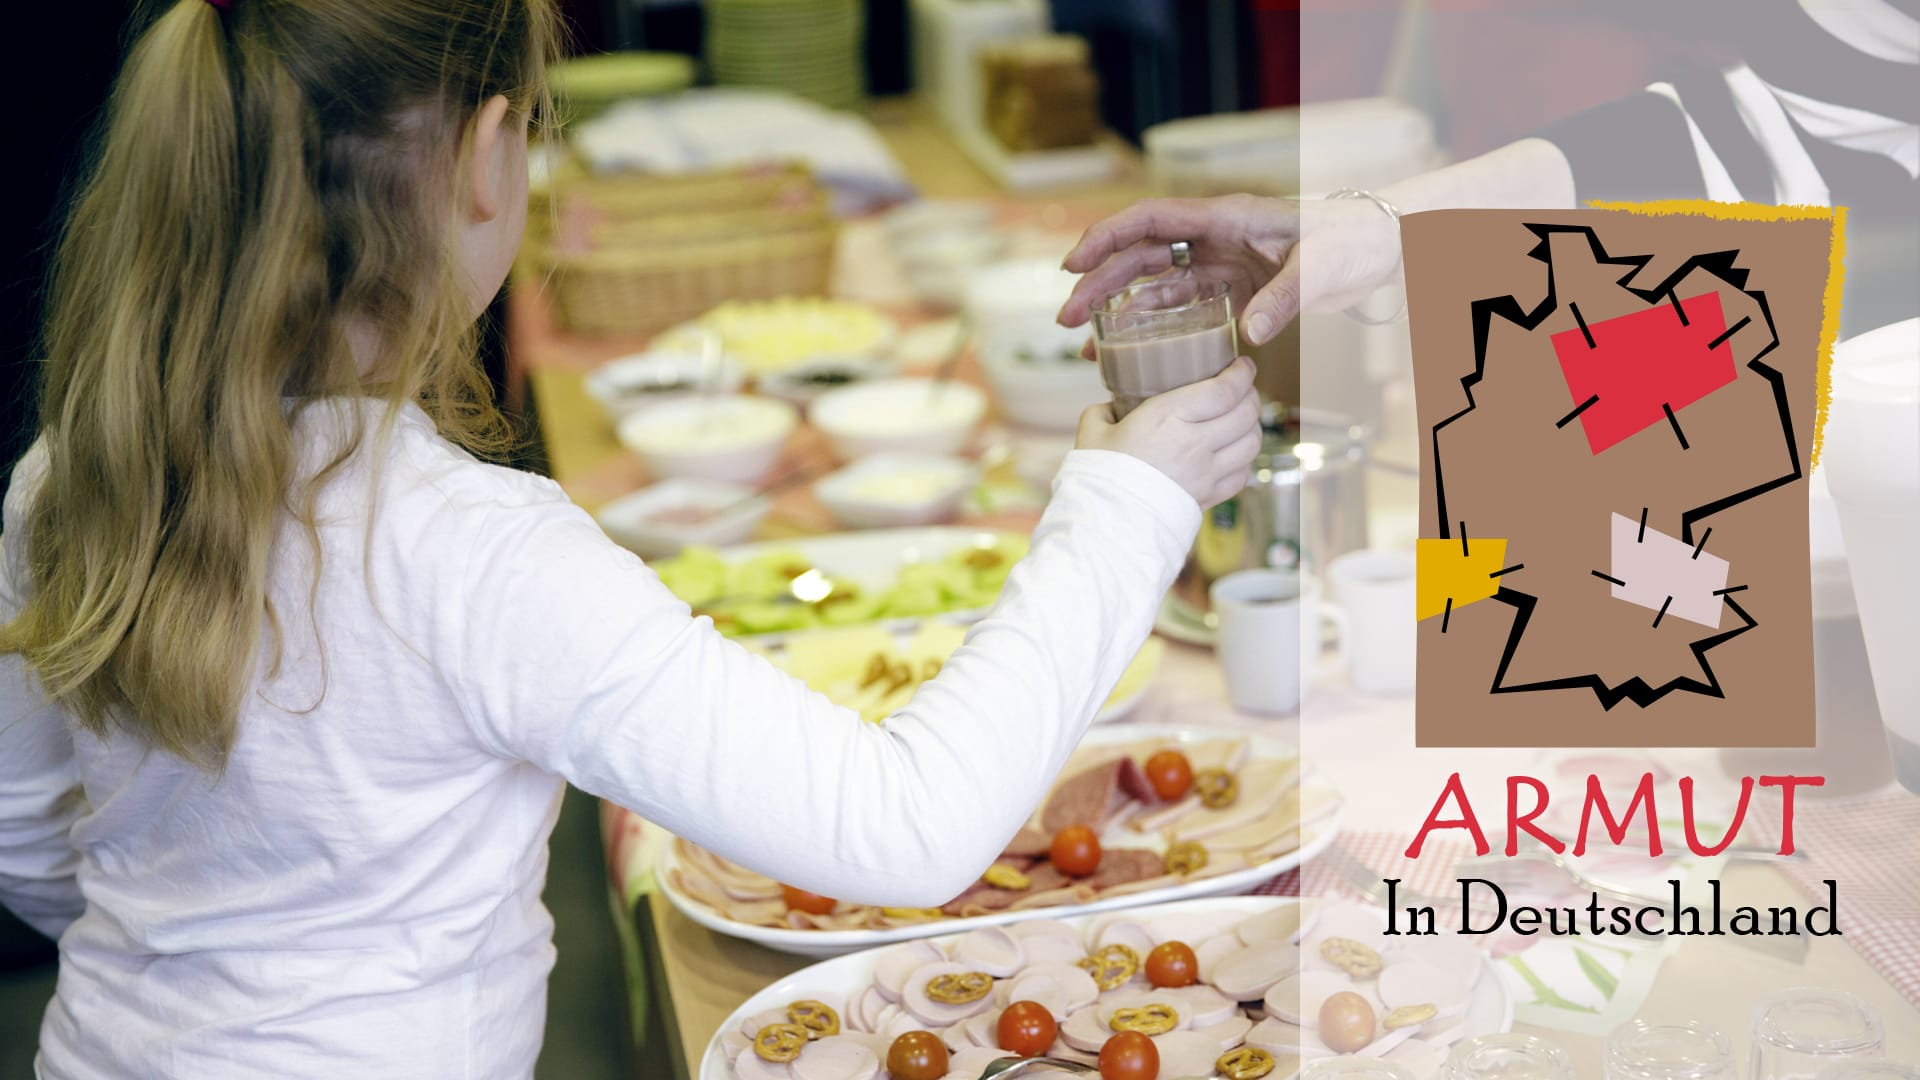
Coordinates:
[1870,844]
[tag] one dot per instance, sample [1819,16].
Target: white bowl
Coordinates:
[800,385]
[631,383]
[940,262]
[1012,303]
[732,438]
[898,414]
[643,522]
[886,490]
[1045,388]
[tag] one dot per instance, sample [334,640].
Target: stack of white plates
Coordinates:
[813,48]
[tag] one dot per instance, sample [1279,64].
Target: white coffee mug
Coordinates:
[1375,593]
[1269,638]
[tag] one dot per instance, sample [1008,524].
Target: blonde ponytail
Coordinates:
[267,227]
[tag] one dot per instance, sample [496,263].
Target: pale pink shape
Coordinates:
[1657,566]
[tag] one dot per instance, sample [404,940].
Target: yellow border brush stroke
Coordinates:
[1836,274]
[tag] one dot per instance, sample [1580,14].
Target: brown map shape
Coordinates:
[1510,472]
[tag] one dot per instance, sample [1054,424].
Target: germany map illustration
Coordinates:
[1619,414]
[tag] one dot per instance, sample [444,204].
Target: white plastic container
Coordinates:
[1872,463]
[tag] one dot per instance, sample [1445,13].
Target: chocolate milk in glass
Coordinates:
[1160,334]
[1135,370]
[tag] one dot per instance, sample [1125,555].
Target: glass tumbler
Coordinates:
[1160,334]
[1638,1050]
[1507,1057]
[1797,1033]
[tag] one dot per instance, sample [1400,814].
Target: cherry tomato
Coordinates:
[1027,1029]
[811,903]
[1129,1056]
[917,1055]
[1075,851]
[1170,774]
[1172,963]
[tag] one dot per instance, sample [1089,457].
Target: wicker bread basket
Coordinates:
[635,254]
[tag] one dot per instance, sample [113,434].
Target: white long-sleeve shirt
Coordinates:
[359,893]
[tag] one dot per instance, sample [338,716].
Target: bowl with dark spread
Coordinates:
[800,385]
[631,383]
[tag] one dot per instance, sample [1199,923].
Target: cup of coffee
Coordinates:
[1269,638]
[1160,334]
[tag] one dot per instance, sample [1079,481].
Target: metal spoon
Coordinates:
[1013,1068]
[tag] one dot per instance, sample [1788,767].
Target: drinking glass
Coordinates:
[1160,334]
[1507,1057]
[1638,1050]
[1799,1032]
[1356,1068]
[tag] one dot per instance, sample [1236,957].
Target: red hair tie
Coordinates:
[221,6]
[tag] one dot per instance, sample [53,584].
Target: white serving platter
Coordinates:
[1315,836]
[1490,1010]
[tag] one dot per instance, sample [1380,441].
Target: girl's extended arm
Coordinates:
[570,654]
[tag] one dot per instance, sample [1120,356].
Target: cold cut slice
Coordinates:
[1229,1033]
[1085,1031]
[973,1060]
[1203,1006]
[938,1014]
[1186,1053]
[991,950]
[1276,1038]
[1030,842]
[1298,997]
[1123,865]
[891,968]
[1134,783]
[1084,798]
[835,1057]
[1276,927]
[1124,932]
[748,1065]
[1213,950]
[1248,974]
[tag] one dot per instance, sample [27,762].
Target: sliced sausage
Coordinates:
[992,950]
[835,1057]
[1248,974]
[938,1014]
[891,968]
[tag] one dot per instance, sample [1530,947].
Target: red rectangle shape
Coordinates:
[1639,363]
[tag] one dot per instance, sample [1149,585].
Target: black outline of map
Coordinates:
[1721,265]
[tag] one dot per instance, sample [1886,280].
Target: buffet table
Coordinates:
[697,978]
[702,976]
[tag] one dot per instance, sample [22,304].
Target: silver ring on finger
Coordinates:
[1182,253]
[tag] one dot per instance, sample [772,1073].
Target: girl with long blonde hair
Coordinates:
[290,683]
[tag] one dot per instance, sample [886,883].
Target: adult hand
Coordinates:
[1257,245]
[1204,436]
